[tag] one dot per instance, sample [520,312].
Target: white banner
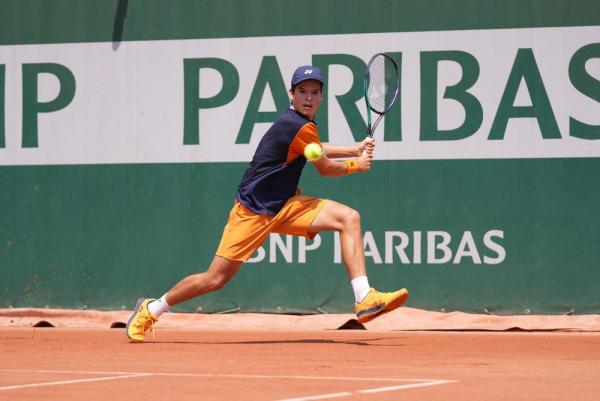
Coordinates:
[128,105]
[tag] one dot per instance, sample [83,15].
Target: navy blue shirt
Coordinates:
[273,175]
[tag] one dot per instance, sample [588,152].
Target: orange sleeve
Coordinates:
[307,134]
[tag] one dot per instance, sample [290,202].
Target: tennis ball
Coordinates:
[313,151]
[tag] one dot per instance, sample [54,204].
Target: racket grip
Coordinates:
[369,135]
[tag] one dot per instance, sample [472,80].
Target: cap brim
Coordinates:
[307,79]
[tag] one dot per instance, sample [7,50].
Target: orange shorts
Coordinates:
[246,231]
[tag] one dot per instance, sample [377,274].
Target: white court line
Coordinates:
[413,383]
[57,383]
[319,397]
[405,386]
[372,390]
[225,375]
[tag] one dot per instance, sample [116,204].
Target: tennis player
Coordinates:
[268,201]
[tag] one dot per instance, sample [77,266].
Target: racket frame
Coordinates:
[371,127]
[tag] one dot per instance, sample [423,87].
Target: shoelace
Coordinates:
[143,326]
[150,322]
[375,298]
[378,299]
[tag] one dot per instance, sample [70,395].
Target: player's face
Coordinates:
[307,97]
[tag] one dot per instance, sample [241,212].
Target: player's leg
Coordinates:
[243,234]
[370,303]
[220,271]
[335,216]
[147,311]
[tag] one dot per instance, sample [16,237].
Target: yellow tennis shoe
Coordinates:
[377,303]
[140,321]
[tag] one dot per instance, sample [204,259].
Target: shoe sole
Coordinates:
[138,305]
[387,308]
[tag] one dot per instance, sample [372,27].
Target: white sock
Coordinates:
[158,306]
[361,288]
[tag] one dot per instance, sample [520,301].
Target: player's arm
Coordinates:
[335,151]
[333,168]
[362,153]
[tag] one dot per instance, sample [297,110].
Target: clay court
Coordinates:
[277,357]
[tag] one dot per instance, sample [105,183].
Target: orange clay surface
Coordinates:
[100,364]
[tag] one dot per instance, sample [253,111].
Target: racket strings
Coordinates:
[383,81]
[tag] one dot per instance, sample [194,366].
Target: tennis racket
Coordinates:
[382,85]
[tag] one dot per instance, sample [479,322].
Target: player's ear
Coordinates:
[291,94]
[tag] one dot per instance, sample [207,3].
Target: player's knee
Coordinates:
[217,281]
[351,219]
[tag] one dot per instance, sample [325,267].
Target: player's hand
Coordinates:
[367,145]
[364,161]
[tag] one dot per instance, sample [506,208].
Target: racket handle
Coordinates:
[369,135]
